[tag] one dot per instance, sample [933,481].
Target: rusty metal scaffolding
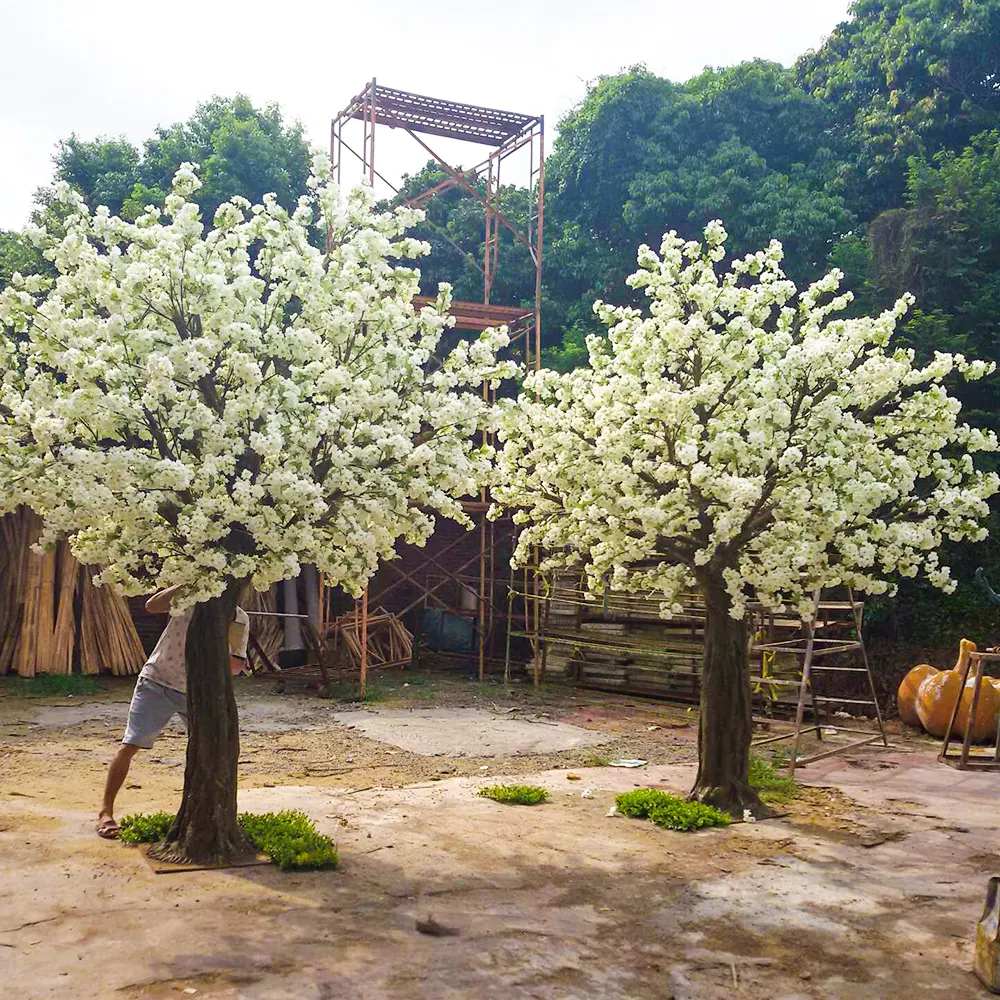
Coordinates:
[504,133]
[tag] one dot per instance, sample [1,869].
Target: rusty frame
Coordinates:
[505,133]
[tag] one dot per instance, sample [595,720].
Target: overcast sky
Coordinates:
[107,67]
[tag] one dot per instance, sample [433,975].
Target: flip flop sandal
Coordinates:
[108,829]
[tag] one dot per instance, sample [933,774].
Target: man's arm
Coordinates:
[159,603]
[239,637]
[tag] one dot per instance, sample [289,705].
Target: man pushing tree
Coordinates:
[160,693]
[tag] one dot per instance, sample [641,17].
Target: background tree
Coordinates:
[746,142]
[905,78]
[242,151]
[17,256]
[739,437]
[217,408]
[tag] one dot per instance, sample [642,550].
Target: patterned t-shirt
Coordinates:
[166,664]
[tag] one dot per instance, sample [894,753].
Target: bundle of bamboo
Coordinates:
[390,643]
[265,628]
[52,619]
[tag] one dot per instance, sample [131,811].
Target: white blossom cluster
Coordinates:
[741,435]
[193,406]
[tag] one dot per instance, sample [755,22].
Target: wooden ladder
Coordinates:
[811,648]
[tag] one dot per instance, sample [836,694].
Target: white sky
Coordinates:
[110,67]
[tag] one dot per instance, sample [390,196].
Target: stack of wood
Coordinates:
[620,642]
[53,620]
[390,642]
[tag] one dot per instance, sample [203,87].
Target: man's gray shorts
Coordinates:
[152,707]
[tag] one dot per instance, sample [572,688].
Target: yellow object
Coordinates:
[986,963]
[938,693]
[984,726]
[906,697]
[767,658]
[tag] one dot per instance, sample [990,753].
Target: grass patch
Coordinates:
[409,687]
[143,828]
[289,837]
[595,760]
[515,795]
[669,811]
[772,786]
[55,685]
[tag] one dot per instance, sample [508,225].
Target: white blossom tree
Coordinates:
[217,407]
[741,438]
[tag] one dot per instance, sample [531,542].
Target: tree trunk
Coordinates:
[206,830]
[725,727]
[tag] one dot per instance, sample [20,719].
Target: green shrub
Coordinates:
[145,829]
[669,811]
[516,795]
[764,776]
[289,837]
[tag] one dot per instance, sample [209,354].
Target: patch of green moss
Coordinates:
[54,686]
[291,839]
[515,795]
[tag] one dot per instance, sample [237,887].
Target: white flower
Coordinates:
[193,406]
[742,436]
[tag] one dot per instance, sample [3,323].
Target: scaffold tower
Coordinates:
[459,574]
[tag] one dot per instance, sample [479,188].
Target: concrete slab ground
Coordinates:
[868,888]
[469,732]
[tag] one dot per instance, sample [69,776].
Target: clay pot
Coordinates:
[906,697]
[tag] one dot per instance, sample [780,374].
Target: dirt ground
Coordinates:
[868,886]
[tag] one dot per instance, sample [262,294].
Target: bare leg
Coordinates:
[118,769]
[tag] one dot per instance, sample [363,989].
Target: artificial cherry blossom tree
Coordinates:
[220,407]
[742,438]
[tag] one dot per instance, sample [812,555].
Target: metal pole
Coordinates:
[482,598]
[371,158]
[806,664]
[538,251]
[856,612]
[340,151]
[364,642]
[333,148]
[510,613]
[538,341]
[491,584]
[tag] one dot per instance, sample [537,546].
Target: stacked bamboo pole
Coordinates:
[52,619]
[266,628]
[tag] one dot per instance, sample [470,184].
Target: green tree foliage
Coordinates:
[242,150]
[905,78]
[641,154]
[455,228]
[17,255]
[945,247]
[104,170]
